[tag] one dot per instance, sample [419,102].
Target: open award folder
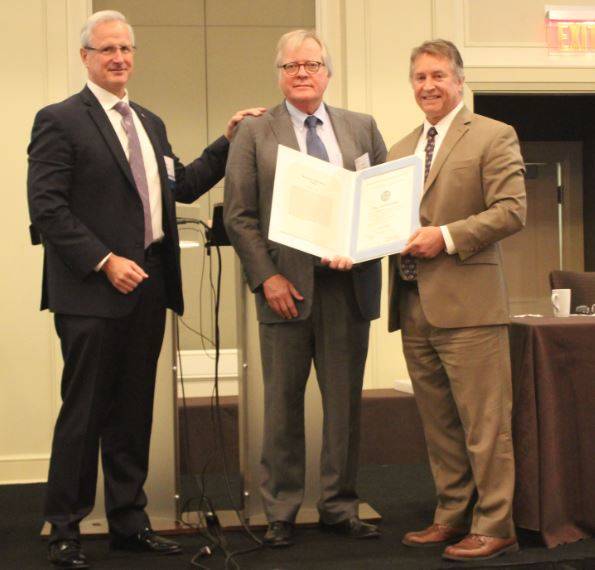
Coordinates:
[325,210]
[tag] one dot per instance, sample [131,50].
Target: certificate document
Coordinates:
[325,210]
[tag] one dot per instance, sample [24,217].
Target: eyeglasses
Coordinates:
[585,310]
[293,67]
[110,51]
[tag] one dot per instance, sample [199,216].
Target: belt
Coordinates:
[411,283]
[155,249]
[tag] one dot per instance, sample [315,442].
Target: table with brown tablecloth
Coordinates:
[553,374]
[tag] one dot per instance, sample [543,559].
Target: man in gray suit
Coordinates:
[308,309]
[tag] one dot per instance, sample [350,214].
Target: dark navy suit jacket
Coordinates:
[83,201]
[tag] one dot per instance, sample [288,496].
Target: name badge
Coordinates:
[362,162]
[170,167]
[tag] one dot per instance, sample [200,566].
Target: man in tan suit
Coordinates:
[448,297]
[309,310]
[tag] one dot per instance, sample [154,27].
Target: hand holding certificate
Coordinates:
[325,210]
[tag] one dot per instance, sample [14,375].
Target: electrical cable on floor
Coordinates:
[219,425]
[204,503]
[210,527]
[188,454]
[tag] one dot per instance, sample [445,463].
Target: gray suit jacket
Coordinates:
[476,188]
[249,182]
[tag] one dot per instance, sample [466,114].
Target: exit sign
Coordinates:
[570,29]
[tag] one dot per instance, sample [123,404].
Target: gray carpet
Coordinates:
[403,494]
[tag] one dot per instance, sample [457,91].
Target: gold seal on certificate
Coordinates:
[325,210]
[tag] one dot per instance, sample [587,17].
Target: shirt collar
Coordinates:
[298,117]
[443,124]
[106,99]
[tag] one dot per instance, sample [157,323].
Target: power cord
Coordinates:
[211,527]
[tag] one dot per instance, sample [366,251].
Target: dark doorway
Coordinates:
[548,118]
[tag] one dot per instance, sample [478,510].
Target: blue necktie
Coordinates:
[314,145]
[315,148]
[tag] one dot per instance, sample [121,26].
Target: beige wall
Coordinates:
[503,46]
[370,40]
[24,329]
[194,97]
[41,32]
[193,58]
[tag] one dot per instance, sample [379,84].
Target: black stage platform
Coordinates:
[403,494]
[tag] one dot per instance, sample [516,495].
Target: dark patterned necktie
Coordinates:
[137,165]
[409,263]
[431,143]
[314,144]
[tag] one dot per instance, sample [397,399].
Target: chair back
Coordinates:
[581,284]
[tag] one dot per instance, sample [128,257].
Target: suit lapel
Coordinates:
[280,123]
[102,122]
[409,144]
[458,128]
[151,134]
[159,154]
[345,137]
[155,143]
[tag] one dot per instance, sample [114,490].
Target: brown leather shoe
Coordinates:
[434,535]
[480,547]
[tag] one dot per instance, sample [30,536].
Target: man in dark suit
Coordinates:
[102,184]
[450,303]
[307,310]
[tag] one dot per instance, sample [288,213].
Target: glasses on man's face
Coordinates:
[110,51]
[585,310]
[293,67]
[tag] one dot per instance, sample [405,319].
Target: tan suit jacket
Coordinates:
[476,188]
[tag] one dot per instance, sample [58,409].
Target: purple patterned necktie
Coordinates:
[409,263]
[137,165]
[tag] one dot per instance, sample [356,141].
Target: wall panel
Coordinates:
[156,13]
[260,13]
[43,32]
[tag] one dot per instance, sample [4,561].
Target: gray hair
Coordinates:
[293,40]
[439,48]
[99,18]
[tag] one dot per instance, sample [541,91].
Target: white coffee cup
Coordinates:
[561,302]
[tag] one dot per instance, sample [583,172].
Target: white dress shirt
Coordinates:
[107,100]
[441,127]
[324,131]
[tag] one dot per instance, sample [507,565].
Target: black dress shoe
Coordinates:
[353,528]
[67,554]
[146,541]
[279,534]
